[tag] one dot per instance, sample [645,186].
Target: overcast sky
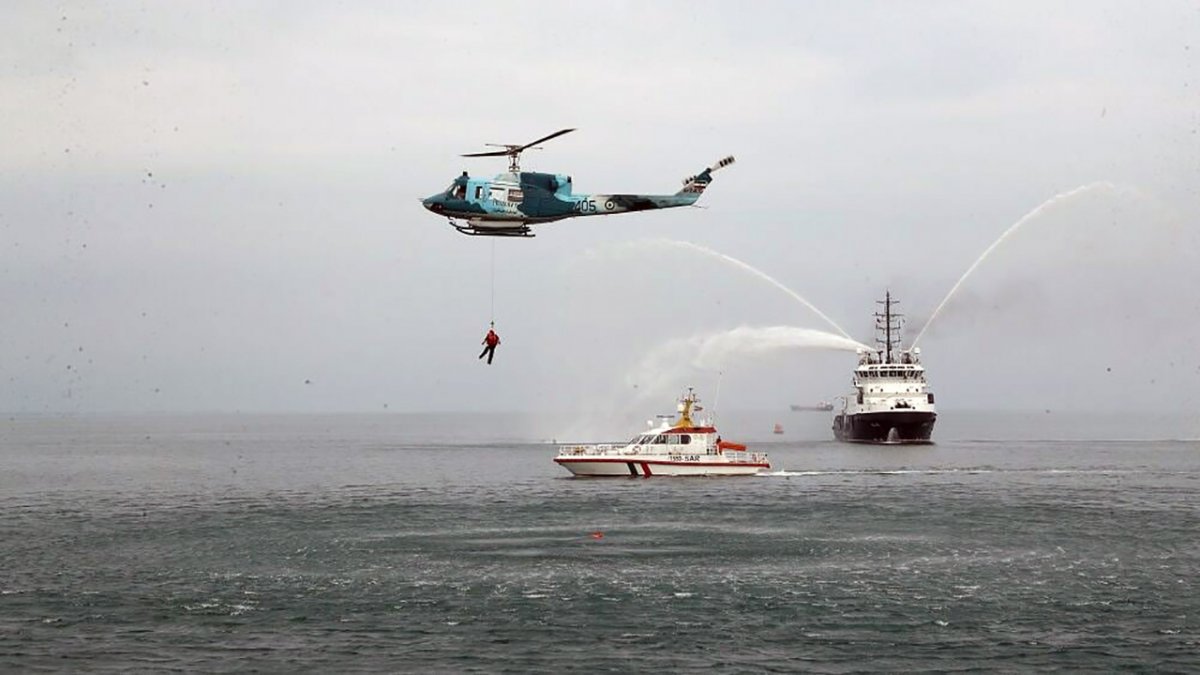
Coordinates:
[213,206]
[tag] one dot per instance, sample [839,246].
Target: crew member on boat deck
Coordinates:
[489,343]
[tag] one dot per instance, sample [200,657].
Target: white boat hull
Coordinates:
[645,467]
[679,448]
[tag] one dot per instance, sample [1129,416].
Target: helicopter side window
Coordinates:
[515,196]
[497,194]
[478,192]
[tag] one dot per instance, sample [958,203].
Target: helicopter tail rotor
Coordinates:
[696,184]
[707,173]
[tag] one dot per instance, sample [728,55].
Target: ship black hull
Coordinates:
[888,427]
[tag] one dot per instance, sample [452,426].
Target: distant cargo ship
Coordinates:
[823,406]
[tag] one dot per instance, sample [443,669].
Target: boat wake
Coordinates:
[784,473]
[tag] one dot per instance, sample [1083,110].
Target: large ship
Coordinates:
[681,447]
[891,402]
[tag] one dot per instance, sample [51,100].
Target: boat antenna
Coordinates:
[716,397]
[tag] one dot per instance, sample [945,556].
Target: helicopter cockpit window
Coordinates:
[458,191]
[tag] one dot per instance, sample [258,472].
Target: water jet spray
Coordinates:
[687,245]
[1055,200]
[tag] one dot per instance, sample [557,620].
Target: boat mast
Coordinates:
[888,322]
[685,410]
[887,313]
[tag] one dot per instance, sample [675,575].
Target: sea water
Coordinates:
[452,543]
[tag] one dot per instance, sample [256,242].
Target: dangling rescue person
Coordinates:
[489,342]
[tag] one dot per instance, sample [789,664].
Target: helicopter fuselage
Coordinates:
[509,202]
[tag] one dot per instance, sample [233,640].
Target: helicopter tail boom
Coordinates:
[604,204]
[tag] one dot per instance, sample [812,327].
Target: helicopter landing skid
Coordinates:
[471,230]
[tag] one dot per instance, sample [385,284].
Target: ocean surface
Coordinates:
[452,543]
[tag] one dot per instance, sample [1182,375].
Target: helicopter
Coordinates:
[506,205]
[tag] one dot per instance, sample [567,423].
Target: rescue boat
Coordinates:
[675,448]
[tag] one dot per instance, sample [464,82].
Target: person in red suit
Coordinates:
[489,343]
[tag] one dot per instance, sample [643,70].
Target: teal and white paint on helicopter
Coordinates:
[507,204]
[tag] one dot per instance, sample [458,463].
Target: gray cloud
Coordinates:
[217,203]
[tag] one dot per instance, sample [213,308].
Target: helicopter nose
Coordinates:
[432,203]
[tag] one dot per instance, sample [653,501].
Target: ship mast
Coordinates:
[888,323]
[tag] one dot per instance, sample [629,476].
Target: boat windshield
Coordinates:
[648,439]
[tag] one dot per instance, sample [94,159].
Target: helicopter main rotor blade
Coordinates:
[497,153]
[514,150]
[545,138]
